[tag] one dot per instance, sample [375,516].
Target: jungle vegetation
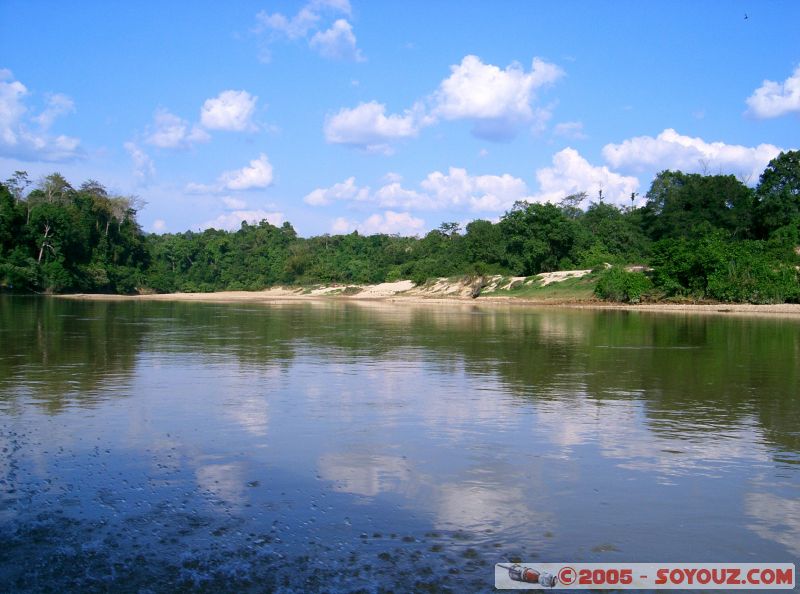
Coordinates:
[703,236]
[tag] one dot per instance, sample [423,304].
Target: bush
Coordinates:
[716,268]
[752,276]
[617,284]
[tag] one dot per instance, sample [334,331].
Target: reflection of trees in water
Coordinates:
[693,373]
[254,336]
[63,352]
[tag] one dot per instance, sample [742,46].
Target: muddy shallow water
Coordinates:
[156,446]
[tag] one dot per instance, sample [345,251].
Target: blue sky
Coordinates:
[390,116]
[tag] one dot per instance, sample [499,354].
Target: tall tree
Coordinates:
[690,205]
[778,193]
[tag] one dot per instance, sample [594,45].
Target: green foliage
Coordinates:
[58,239]
[707,237]
[717,268]
[617,284]
[778,194]
[693,205]
[538,237]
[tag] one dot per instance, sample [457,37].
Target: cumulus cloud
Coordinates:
[258,174]
[368,127]
[337,43]
[143,167]
[394,195]
[334,41]
[159,225]
[670,150]
[497,100]
[58,105]
[773,99]
[570,173]
[233,203]
[26,136]
[294,27]
[389,222]
[346,191]
[171,131]
[231,221]
[342,226]
[477,192]
[455,189]
[230,110]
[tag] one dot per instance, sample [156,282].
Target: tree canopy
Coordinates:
[705,235]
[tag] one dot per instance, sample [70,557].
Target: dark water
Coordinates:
[154,447]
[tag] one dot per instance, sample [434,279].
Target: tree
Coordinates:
[778,193]
[17,184]
[55,188]
[691,205]
[614,232]
[538,238]
[484,243]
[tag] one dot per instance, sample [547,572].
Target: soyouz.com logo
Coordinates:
[640,576]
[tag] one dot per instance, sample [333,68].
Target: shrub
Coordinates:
[617,284]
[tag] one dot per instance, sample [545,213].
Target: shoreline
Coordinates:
[278,295]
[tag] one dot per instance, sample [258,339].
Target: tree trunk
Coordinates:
[44,243]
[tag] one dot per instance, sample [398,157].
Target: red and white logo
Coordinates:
[567,575]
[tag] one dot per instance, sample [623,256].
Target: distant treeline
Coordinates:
[705,236]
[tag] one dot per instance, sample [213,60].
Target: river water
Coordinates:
[332,446]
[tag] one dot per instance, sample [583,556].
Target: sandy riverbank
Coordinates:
[442,293]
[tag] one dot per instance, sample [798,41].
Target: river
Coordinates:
[332,446]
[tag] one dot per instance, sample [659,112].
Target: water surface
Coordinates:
[341,446]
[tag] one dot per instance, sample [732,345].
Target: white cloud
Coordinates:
[670,150]
[12,107]
[159,225]
[393,195]
[143,167]
[572,130]
[337,43]
[233,203]
[27,137]
[232,221]
[342,226]
[368,127]
[334,41]
[389,223]
[58,104]
[571,173]
[344,191]
[294,27]
[497,100]
[230,110]
[455,190]
[171,131]
[392,177]
[773,99]
[258,174]
[480,193]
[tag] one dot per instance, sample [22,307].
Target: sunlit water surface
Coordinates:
[336,446]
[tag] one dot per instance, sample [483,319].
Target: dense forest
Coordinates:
[702,236]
